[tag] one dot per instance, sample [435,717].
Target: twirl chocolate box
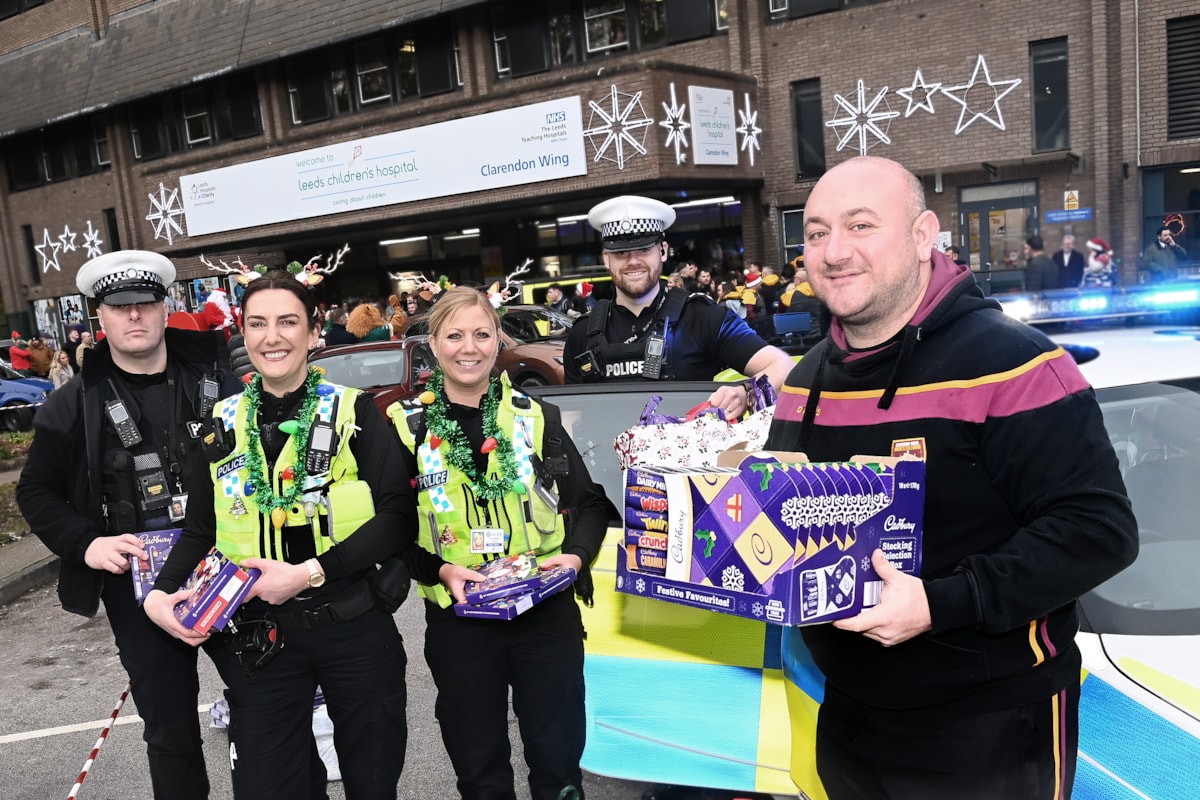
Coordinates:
[772,536]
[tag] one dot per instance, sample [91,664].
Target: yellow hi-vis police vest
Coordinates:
[446,504]
[334,505]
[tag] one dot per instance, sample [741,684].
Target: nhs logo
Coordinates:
[556,116]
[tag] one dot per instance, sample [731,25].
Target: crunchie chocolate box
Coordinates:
[774,537]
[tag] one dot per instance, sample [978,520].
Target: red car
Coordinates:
[396,370]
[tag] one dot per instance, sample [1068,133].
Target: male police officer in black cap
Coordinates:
[649,332]
[113,456]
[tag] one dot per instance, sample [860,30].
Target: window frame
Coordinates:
[1049,135]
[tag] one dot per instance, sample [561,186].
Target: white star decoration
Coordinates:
[67,237]
[676,127]
[974,95]
[863,118]
[92,241]
[749,129]
[923,92]
[164,213]
[618,127]
[50,260]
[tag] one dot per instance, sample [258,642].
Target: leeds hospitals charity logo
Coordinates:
[355,156]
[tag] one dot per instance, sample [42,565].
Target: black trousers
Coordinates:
[359,664]
[475,661]
[162,674]
[1025,753]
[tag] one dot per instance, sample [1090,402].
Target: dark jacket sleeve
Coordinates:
[1077,529]
[576,344]
[393,529]
[585,498]
[53,484]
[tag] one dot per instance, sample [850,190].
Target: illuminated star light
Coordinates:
[67,237]
[676,127]
[92,241]
[749,129]
[863,118]
[50,260]
[617,128]
[166,209]
[998,91]
[924,91]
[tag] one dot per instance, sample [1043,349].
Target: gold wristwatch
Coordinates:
[316,578]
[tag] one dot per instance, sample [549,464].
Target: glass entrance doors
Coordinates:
[996,219]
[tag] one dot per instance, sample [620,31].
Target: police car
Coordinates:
[685,696]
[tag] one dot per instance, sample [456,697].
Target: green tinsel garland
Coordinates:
[460,455]
[264,493]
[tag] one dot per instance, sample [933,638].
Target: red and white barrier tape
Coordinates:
[91,759]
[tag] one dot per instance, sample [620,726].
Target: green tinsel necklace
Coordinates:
[256,482]
[460,456]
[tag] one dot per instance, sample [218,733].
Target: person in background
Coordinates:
[954,254]
[18,354]
[1161,257]
[1040,273]
[110,452]
[71,345]
[1099,271]
[366,324]
[60,370]
[704,282]
[1024,511]
[1070,263]
[694,338]
[771,289]
[86,344]
[556,300]
[337,333]
[315,514]
[466,489]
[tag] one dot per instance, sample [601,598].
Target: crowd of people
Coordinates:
[40,357]
[340,507]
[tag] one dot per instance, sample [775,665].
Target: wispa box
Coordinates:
[218,586]
[549,582]
[157,545]
[774,537]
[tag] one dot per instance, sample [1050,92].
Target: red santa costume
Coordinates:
[217,313]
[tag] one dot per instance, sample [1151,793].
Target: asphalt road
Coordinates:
[60,679]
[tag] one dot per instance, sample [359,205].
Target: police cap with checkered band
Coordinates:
[125,277]
[630,222]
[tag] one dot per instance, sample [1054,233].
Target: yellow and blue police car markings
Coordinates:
[1128,751]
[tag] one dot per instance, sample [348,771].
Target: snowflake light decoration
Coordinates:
[749,129]
[92,241]
[67,237]
[733,579]
[48,259]
[164,214]
[676,127]
[623,124]
[919,95]
[863,118]
[972,95]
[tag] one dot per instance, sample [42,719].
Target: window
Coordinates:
[793,233]
[31,255]
[810,129]
[220,110]
[500,41]
[605,25]
[57,153]
[562,34]
[114,233]
[1183,78]
[721,13]
[371,70]
[1051,96]
[794,9]
[406,67]
[652,22]
[10,8]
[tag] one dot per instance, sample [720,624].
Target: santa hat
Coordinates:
[754,279]
[15,335]
[1098,244]
[585,289]
[1104,259]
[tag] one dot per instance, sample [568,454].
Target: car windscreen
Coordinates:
[1155,430]
[365,369]
[527,325]
[594,415]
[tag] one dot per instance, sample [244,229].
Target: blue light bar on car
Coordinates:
[1065,305]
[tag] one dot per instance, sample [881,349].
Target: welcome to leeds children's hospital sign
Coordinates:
[538,142]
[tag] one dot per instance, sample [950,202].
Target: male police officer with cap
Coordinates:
[650,332]
[113,455]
